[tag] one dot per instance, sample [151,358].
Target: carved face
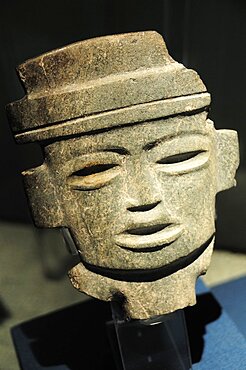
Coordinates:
[138,197]
[136,191]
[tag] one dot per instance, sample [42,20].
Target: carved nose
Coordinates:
[143,207]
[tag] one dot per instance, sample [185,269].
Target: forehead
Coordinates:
[133,137]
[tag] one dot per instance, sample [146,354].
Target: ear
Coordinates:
[43,197]
[227,158]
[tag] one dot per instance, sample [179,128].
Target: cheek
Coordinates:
[191,196]
[97,212]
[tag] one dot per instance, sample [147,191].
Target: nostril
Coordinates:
[143,207]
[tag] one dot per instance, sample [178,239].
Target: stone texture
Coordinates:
[99,75]
[146,299]
[118,117]
[131,166]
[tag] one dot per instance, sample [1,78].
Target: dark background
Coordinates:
[208,36]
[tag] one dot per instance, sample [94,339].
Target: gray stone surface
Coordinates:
[137,194]
[99,75]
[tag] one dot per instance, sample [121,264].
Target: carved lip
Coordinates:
[149,238]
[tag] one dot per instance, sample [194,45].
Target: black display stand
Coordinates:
[160,343]
[73,338]
[84,337]
[76,337]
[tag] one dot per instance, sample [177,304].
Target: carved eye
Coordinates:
[92,177]
[184,162]
[92,170]
[176,158]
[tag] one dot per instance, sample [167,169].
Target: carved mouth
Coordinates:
[147,230]
[149,238]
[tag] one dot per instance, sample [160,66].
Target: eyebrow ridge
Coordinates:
[153,144]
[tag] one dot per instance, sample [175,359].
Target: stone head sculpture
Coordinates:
[132,166]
